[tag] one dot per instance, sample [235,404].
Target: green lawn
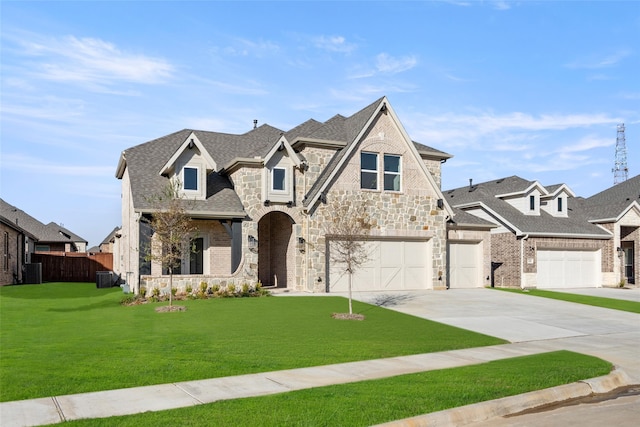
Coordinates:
[615,304]
[373,402]
[64,338]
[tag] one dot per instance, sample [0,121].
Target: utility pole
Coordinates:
[620,169]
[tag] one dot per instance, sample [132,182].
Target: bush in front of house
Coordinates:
[204,291]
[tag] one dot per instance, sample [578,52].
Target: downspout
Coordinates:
[525,237]
[306,233]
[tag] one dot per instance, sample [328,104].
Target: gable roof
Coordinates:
[353,129]
[50,233]
[610,204]
[484,196]
[144,162]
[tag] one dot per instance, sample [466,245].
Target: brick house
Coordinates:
[542,236]
[260,202]
[617,209]
[17,247]
[50,237]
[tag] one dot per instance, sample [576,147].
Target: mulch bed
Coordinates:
[167,309]
[347,316]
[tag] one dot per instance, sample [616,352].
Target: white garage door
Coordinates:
[393,265]
[465,265]
[568,269]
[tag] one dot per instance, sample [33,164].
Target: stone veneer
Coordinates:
[411,212]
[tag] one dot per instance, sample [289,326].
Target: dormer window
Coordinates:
[190,179]
[278,179]
[532,203]
[559,204]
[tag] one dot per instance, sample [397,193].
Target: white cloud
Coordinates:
[246,47]
[588,142]
[89,61]
[388,64]
[600,61]
[42,167]
[334,44]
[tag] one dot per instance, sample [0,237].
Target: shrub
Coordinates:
[189,289]
[203,287]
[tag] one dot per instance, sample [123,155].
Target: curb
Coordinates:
[483,411]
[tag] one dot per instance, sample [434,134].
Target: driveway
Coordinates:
[546,323]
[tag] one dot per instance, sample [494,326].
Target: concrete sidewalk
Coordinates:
[533,325]
[135,400]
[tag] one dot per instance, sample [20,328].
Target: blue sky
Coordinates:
[525,88]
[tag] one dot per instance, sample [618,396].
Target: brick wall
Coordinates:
[11,261]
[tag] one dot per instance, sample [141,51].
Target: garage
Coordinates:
[568,269]
[465,265]
[393,265]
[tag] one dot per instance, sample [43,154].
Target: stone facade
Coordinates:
[283,243]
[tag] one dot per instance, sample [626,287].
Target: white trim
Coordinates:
[210,163]
[350,147]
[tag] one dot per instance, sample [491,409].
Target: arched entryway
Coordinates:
[274,249]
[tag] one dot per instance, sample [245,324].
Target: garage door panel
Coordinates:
[465,268]
[568,269]
[393,265]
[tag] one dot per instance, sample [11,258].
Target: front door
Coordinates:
[275,248]
[629,272]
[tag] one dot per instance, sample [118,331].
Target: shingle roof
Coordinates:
[51,232]
[485,194]
[144,161]
[612,202]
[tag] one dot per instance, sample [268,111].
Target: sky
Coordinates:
[528,88]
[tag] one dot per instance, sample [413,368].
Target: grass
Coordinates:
[377,401]
[612,303]
[65,338]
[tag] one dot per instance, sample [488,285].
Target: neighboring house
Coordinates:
[541,237]
[49,238]
[260,202]
[617,209]
[107,245]
[17,247]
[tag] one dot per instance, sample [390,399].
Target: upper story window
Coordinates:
[278,179]
[190,179]
[392,173]
[560,204]
[368,171]
[532,203]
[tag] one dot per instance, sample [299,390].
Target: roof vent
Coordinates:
[255,123]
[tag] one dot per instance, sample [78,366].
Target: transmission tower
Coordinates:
[620,170]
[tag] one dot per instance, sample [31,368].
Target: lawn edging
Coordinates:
[514,405]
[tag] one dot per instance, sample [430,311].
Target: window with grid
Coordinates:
[368,171]
[392,175]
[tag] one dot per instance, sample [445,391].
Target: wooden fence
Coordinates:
[72,266]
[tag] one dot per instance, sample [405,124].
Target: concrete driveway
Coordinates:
[549,324]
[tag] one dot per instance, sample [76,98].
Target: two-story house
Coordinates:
[260,201]
[541,236]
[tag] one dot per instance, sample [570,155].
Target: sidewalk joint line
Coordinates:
[59,409]
[189,394]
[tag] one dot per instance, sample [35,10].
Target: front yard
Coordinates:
[64,338]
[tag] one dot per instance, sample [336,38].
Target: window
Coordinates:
[368,171]
[559,204]
[196,258]
[532,203]
[278,179]
[391,172]
[190,176]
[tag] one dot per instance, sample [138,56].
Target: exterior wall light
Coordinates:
[253,244]
[301,244]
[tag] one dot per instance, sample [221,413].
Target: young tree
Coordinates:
[348,227]
[171,229]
